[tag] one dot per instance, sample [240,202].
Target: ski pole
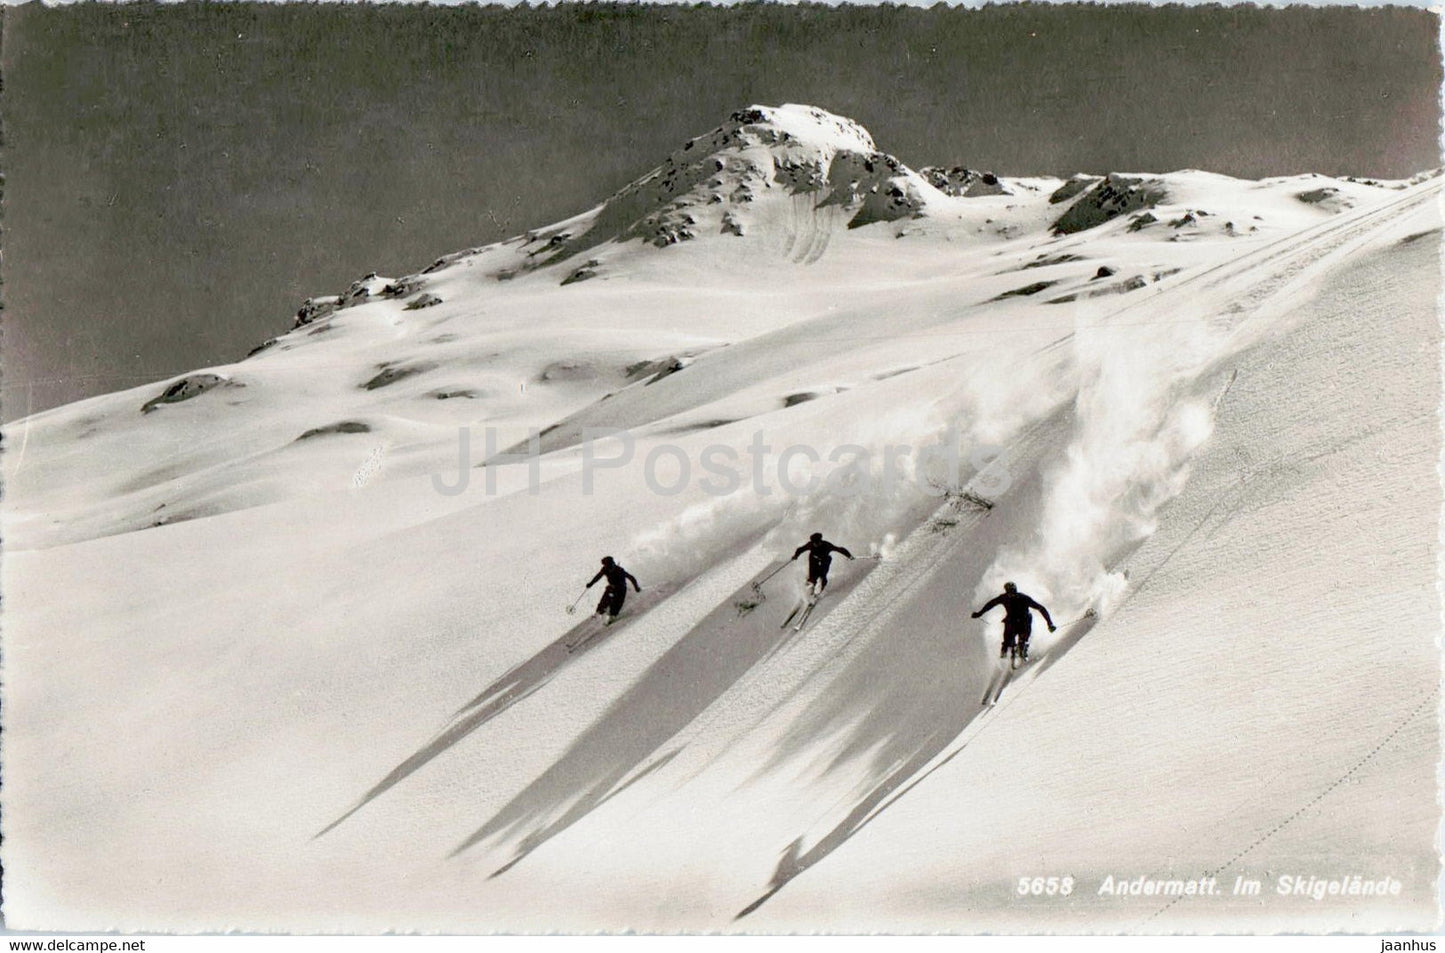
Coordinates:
[1087,615]
[573,607]
[758,586]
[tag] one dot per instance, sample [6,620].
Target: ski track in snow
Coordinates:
[1430,697]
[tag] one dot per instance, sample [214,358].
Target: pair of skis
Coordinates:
[801,612]
[588,636]
[1002,675]
[1005,673]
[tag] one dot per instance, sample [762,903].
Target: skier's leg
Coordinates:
[605,601]
[618,598]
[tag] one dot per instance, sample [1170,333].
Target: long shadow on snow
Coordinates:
[916,685]
[902,700]
[678,687]
[902,779]
[518,683]
[695,672]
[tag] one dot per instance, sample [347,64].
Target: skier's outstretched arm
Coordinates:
[799,551]
[988,605]
[1045,613]
[840,549]
[595,578]
[639,588]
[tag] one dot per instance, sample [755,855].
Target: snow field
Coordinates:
[318,694]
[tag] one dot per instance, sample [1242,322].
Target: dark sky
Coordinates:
[179,178]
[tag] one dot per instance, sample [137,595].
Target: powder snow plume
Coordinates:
[1143,409]
[866,473]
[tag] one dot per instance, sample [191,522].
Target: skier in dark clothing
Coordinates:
[1017,621]
[820,557]
[616,591]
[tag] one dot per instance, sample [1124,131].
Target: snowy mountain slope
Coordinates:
[933,726]
[506,346]
[345,694]
[1274,670]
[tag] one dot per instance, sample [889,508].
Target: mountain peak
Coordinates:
[802,124]
[726,182]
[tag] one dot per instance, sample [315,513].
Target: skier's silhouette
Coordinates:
[1018,623]
[820,557]
[616,591]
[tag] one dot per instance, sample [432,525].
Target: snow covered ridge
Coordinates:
[707,187]
[729,181]
[700,297]
[761,154]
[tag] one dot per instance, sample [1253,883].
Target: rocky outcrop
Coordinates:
[344,426]
[963,183]
[1116,195]
[192,385]
[1071,188]
[391,373]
